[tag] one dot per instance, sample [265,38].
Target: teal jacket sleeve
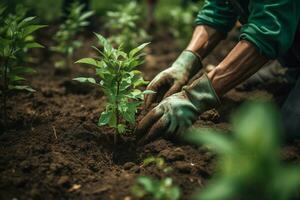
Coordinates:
[272,25]
[218,14]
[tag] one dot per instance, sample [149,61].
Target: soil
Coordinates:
[55,150]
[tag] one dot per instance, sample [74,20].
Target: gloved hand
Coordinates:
[174,78]
[178,111]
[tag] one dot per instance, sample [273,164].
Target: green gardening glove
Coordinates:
[174,78]
[178,112]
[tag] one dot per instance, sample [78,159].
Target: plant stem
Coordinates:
[68,61]
[117,112]
[4,93]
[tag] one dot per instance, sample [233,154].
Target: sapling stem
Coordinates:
[4,93]
[117,111]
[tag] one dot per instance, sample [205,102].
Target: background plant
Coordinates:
[15,40]
[249,161]
[156,189]
[124,25]
[65,37]
[181,21]
[119,82]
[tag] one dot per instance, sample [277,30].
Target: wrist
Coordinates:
[204,39]
[188,62]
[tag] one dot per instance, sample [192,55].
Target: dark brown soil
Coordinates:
[54,149]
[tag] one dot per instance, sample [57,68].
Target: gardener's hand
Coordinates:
[174,78]
[178,111]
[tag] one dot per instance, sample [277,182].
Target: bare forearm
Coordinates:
[242,62]
[204,40]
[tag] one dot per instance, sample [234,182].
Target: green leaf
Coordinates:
[104,118]
[15,78]
[134,51]
[86,15]
[89,61]
[85,80]
[148,92]
[106,45]
[32,28]
[146,182]
[223,189]
[290,176]
[32,45]
[22,87]
[25,21]
[211,138]
[121,128]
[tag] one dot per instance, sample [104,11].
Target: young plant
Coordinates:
[119,81]
[65,37]
[15,40]
[156,189]
[159,162]
[123,25]
[249,161]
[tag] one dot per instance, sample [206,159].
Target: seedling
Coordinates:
[119,81]
[249,162]
[65,37]
[159,162]
[15,40]
[156,189]
[124,26]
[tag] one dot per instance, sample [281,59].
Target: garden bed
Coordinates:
[55,150]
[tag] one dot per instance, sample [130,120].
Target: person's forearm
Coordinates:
[204,39]
[242,62]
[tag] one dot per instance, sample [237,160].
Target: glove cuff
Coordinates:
[202,94]
[188,61]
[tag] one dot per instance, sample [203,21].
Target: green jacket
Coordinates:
[269,24]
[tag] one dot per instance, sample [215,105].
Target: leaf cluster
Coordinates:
[75,22]
[156,189]
[124,23]
[119,81]
[16,38]
[181,21]
[249,161]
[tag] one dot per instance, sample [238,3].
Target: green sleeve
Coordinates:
[272,25]
[218,14]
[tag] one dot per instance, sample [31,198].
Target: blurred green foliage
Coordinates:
[65,37]
[156,189]
[249,161]
[124,25]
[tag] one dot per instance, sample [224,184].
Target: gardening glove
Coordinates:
[178,111]
[174,78]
